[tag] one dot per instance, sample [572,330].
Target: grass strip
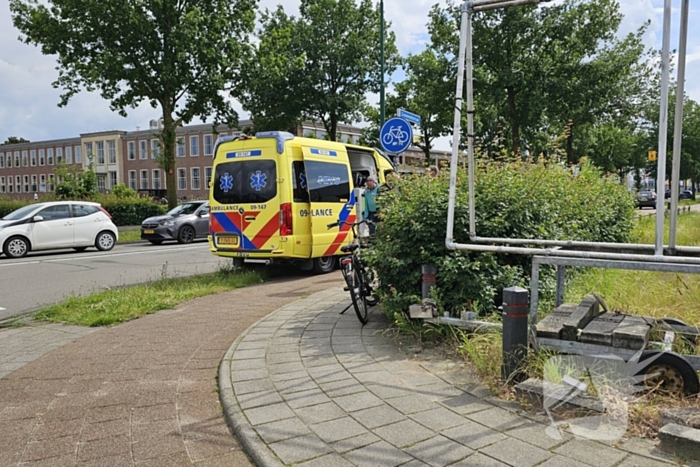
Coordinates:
[120,305]
[129,236]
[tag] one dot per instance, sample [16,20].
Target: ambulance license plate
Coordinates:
[233,241]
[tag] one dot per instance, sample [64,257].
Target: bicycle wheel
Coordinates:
[359,301]
[370,284]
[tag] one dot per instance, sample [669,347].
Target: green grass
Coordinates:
[129,235]
[647,293]
[120,305]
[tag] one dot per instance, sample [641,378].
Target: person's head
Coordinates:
[433,171]
[371,182]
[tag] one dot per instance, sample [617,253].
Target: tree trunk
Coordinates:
[334,127]
[570,144]
[514,124]
[167,159]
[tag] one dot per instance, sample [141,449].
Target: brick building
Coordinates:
[130,157]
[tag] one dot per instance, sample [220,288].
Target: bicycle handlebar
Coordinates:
[336,224]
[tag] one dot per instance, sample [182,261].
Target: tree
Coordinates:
[322,64]
[14,140]
[183,56]
[74,182]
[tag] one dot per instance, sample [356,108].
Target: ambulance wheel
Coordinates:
[324,264]
[237,263]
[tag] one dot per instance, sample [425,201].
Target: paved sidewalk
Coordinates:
[307,386]
[139,394]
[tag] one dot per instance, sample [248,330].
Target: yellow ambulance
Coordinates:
[272,197]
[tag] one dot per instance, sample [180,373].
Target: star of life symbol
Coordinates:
[226,182]
[302,178]
[258,180]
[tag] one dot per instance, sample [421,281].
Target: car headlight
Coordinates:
[166,223]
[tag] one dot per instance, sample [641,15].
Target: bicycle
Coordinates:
[358,278]
[394,136]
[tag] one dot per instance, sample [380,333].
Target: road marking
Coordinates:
[3,309]
[106,255]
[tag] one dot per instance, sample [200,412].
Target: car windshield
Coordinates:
[21,213]
[183,209]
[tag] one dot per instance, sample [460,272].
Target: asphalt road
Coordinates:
[48,277]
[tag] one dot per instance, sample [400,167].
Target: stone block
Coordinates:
[688,416]
[540,393]
[682,441]
[553,323]
[579,318]
[600,329]
[632,333]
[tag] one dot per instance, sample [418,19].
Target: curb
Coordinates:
[235,419]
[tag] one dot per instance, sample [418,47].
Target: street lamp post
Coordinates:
[381,62]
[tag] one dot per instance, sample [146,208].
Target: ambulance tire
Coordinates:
[325,264]
[237,263]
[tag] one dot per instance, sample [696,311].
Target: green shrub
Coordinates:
[130,211]
[516,200]
[8,205]
[122,191]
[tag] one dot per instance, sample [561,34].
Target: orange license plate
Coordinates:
[149,231]
[233,241]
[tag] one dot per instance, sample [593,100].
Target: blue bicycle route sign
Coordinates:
[396,135]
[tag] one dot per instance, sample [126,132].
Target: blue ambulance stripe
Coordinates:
[226,223]
[345,212]
[323,152]
[232,155]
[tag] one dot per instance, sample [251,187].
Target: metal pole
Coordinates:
[381,63]
[456,128]
[470,127]
[663,127]
[678,125]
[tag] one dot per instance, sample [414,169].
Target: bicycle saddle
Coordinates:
[349,248]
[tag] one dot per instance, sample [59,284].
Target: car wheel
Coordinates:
[16,247]
[105,241]
[156,242]
[186,234]
[80,248]
[324,264]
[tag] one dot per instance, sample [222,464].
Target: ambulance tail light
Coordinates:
[286,219]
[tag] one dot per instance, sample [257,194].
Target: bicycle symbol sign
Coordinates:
[396,135]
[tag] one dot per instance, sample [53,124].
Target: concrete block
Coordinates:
[553,323]
[632,333]
[580,317]
[688,416]
[600,329]
[681,441]
[540,393]
[418,312]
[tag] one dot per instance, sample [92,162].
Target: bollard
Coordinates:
[515,313]
[429,271]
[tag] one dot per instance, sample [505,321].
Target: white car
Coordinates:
[59,224]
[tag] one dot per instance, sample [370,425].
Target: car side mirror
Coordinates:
[37,219]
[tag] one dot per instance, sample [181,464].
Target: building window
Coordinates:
[144,179]
[156,179]
[32,157]
[207,177]
[42,159]
[49,156]
[2,180]
[78,154]
[132,179]
[59,155]
[112,179]
[88,150]
[10,187]
[2,160]
[101,152]
[143,150]
[51,182]
[16,158]
[18,184]
[181,147]
[155,148]
[131,150]
[69,155]
[25,158]
[9,160]
[208,145]
[195,178]
[181,179]
[42,183]
[26,183]
[194,146]
[34,187]
[112,152]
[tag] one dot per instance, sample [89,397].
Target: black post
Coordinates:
[429,272]
[515,312]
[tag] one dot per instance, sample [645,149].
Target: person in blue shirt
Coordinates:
[370,211]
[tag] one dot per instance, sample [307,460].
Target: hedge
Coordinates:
[124,211]
[523,200]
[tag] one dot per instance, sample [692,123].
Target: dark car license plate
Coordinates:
[149,231]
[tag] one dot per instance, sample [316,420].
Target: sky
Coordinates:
[29,104]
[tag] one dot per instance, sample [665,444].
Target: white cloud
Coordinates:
[28,103]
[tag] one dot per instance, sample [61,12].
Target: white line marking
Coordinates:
[106,255]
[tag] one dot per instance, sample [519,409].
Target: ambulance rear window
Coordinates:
[246,181]
[328,182]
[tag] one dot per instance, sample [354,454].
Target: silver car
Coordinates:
[184,223]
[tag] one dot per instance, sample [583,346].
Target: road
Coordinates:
[45,278]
